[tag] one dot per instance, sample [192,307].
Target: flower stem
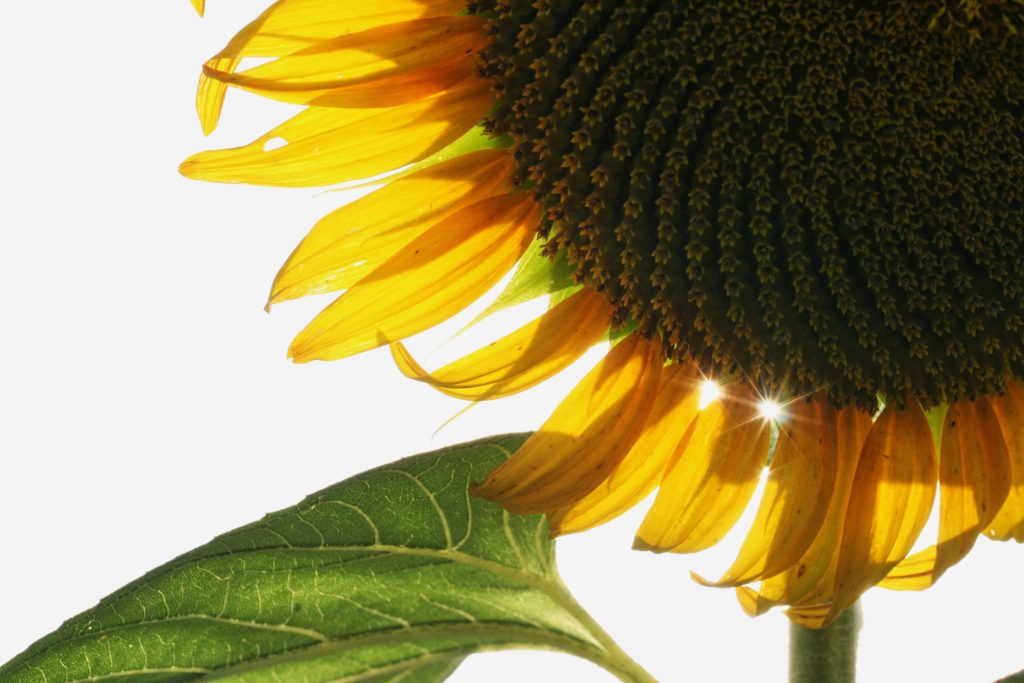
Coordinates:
[827,655]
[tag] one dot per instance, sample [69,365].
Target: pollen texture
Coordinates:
[811,195]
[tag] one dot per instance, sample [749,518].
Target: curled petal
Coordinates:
[381,67]
[291,25]
[518,361]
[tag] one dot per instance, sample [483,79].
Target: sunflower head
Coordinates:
[810,195]
[818,202]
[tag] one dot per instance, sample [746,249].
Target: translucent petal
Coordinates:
[706,489]
[323,146]
[892,495]
[380,67]
[797,495]
[290,25]
[810,580]
[429,280]
[518,361]
[974,480]
[643,467]
[586,437]
[1009,521]
[352,241]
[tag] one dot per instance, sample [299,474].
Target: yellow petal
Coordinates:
[322,146]
[797,496]
[210,93]
[974,480]
[585,438]
[643,467]
[433,277]
[348,243]
[290,25]
[1009,522]
[200,6]
[750,601]
[892,496]
[812,616]
[381,67]
[810,580]
[706,488]
[518,361]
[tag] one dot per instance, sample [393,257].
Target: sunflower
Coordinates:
[815,203]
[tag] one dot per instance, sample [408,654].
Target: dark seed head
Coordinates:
[810,194]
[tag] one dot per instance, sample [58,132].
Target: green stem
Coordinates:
[610,657]
[827,655]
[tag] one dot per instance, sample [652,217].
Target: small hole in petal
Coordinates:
[274,143]
[253,62]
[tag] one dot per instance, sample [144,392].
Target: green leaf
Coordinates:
[393,575]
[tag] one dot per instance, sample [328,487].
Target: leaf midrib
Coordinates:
[518,637]
[547,584]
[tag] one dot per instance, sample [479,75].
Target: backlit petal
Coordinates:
[586,437]
[290,25]
[380,67]
[810,580]
[1009,522]
[429,280]
[643,467]
[518,361]
[348,243]
[797,495]
[892,495]
[706,488]
[974,480]
[323,146]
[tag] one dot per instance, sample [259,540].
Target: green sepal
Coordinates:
[535,276]
[936,416]
[474,140]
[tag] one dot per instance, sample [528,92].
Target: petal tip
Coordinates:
[189,168]
[697,578]
[641,544]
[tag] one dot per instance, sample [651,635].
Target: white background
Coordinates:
[147,405]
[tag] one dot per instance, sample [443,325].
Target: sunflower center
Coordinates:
[808,194]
